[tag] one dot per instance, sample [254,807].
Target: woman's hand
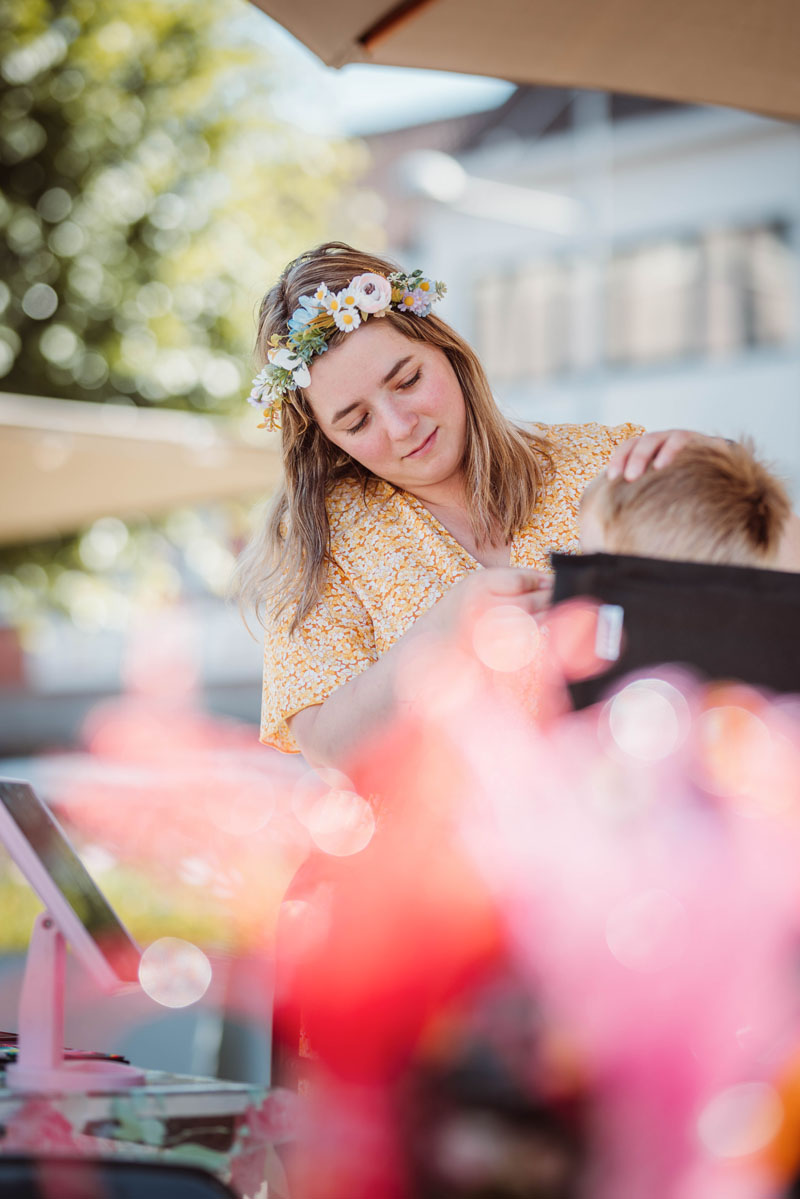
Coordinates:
[632,457]
[328,733]
[481,589]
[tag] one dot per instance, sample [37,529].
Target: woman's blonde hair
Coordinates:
[286,562]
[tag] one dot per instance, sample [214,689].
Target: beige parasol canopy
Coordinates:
[741,53]
[64,463]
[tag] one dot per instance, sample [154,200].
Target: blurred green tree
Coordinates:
[148,194]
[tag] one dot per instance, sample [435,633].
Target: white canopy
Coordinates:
[64,463]
[741,53]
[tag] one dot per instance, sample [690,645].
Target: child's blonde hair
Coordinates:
[714,503]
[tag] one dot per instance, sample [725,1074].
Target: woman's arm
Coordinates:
[631,458]
[327,733]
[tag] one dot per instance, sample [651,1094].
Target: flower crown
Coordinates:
[317,317]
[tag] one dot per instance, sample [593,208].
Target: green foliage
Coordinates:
[150,908]
[148,197]
[113,568]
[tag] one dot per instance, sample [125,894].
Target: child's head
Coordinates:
[713,503]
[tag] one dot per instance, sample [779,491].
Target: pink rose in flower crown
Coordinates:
[373,292]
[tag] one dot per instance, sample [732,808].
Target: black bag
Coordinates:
[725,622]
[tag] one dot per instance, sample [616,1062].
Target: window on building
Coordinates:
[652,301]
[748,297]
[769,285]
[710,295]
[526,321]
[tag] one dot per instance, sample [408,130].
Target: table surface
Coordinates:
[228,1128]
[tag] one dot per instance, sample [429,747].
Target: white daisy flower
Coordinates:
[348,297]
[347,319]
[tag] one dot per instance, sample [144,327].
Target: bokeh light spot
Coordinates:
[59,343]
[101,546]
[341,823]
[174,972]
[39,302]
[505,638]
[736,753]
[741,1119]
[67,239]
[55,204]
[312,786]
[7,358]
[221,377]
[647,720]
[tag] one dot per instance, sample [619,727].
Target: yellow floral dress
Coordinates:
[392,560]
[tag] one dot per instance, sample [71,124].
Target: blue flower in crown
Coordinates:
[300,319]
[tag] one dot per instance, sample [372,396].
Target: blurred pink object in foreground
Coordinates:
[638,863]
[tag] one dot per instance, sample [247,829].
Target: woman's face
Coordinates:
[394,405]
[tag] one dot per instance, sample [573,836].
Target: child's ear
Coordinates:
[590,529]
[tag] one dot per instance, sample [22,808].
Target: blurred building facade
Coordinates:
[56,680]
[615,259]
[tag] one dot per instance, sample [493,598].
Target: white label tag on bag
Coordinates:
[608,639]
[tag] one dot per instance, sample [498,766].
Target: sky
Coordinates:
[361,99]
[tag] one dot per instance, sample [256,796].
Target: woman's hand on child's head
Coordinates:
[633,457]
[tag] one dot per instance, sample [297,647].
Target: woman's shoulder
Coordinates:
[584,440]
[583,450]
[579,453]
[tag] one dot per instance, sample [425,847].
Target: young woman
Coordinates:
[408,498]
